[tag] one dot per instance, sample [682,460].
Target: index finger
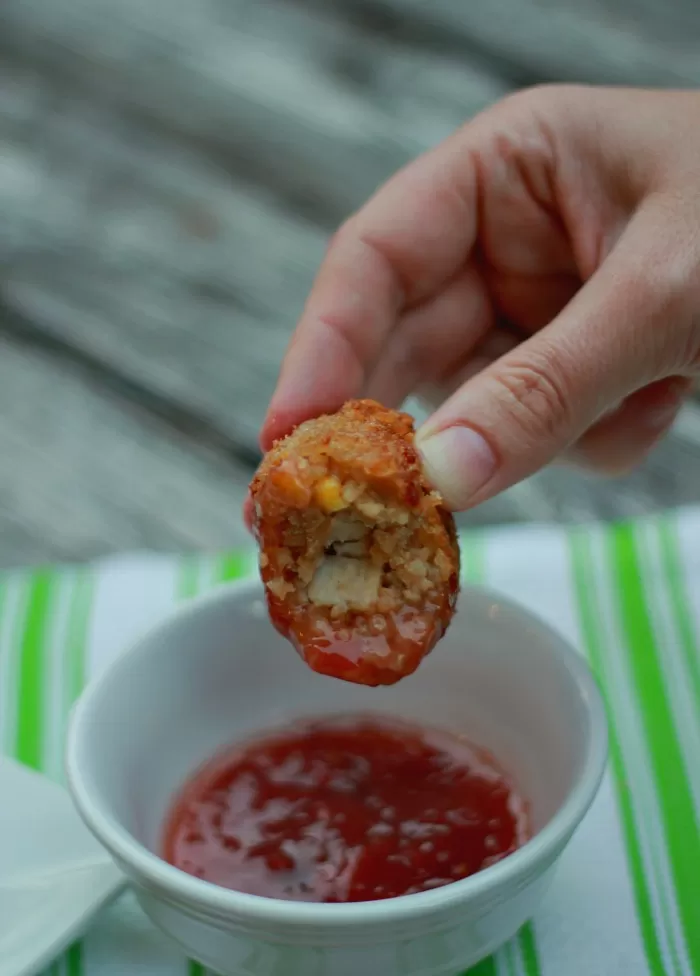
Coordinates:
[411,237]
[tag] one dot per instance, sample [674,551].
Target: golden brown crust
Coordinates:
[350,487]
[363,439]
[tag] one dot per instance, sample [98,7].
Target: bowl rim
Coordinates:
[145,865]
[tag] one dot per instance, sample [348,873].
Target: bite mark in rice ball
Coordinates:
[358,554]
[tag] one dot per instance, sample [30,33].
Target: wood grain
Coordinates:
[169,175]
[86,472]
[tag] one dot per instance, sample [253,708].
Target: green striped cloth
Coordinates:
[626,899]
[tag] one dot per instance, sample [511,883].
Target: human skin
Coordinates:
[536,278]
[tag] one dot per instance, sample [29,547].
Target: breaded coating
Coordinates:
[359,557]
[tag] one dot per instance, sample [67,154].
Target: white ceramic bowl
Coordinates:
[216,671]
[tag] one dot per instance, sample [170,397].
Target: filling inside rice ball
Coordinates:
[361,568]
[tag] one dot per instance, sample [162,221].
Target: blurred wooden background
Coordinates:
[170,171]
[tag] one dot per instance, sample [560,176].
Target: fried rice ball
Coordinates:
[359,557]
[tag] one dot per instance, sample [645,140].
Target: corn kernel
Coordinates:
[328,495]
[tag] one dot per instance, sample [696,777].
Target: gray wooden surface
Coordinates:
[170,172]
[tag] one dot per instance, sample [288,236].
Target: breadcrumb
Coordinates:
[359,556]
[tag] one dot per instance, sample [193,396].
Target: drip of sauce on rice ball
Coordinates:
[358,554]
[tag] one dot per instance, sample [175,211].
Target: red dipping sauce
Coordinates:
[345,810]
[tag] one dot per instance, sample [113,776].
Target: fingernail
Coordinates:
[458,462]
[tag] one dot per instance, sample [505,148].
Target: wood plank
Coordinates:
[318,109]
[620,42]
[85,473]
[169,175]
[135,247]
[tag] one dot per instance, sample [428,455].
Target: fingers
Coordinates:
[531,302]
[414,237]
[355,300]
[620,441]
[496,343]
[439,345]
[407,242]
[432,339]
[625,328]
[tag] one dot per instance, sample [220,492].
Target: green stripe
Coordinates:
[508,956]
[74,960]
[680,826]
[472,554]
[195,969]
[528,950]
[233,566]
[188,578]
[594,643]
[37,622]
[487,967]
[677,587]
[4,692]
[32,650]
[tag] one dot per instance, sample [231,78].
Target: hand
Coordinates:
[537,274]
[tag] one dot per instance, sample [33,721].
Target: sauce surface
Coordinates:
[370,658]
[345,810]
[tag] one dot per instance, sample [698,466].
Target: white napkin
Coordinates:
[53,875]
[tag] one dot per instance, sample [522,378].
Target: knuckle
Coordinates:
[537,397]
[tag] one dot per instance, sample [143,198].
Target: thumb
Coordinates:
[616,335]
